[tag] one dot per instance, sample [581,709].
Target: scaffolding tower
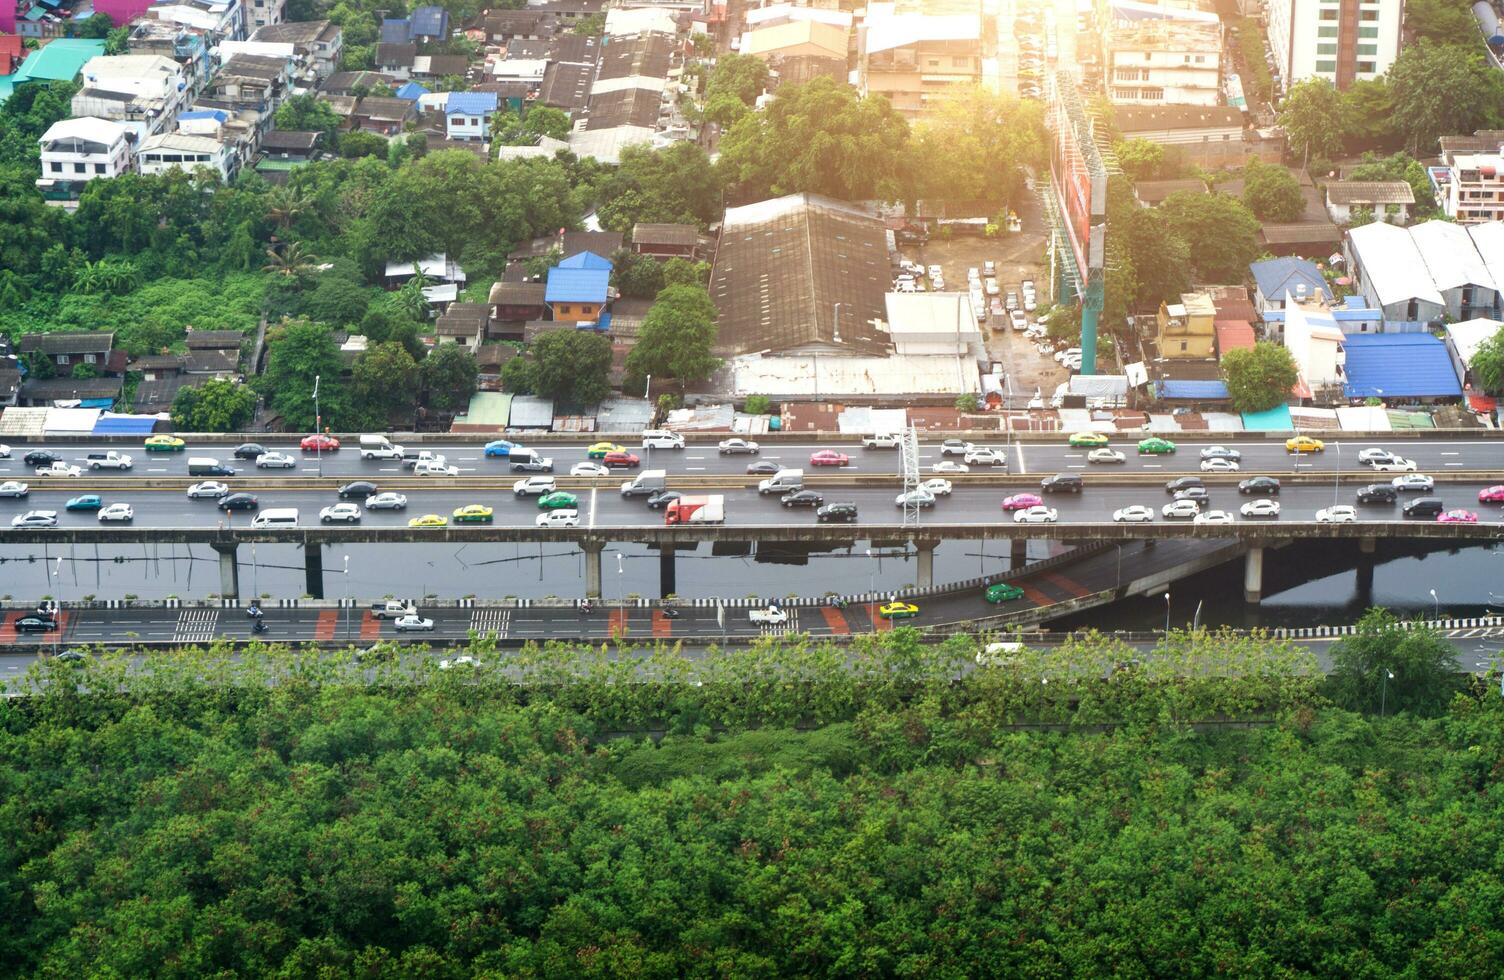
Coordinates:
[908,450]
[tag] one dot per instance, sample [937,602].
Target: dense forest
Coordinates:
[790,810]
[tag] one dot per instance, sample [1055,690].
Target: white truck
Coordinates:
[771,616]
[58,468]
[710,509]
[378,447]
[784,481]
[392,609]
[110,461]
[883,440]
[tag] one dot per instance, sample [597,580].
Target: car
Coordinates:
[414,623]
[1199,494]
[955,447]
[1133,514]
[558,518]
[1062,483]
[14,488]
[1155,446]
[466,661]
[1087,440]
[934,271]
[345,513]
[1183,509]
[357,488]
[660,499]
[1182,482]
[208,489]
[602,449]
[429,520]
[1017,320]
[984,456]
[1213,517]
[35,518]
[622,460]
[1102,454]
[1337,514]
[918,497]
[1259,484]
[950,466]
[72,656]
[533,486]
[1010,300]
[897,610]
[4,451]
[1036,515]
[731,447]
[763,467]
[1002,592]
[558,500]
[473,514]
[843,513]
[116,512]
[500,447]
[280,461]
[1394,465]
[1424,507]
[164,444]
[35,624]
[1372,453]
[88,501]
[1491,495]
[387,501]
[1304,444]
[588,469]
[249,450]
[1260,508]
[1019,501]
[1065,355]
[59,469]
[1219,465]
[238,501]
[1458,516]
[828,457]
[937,486]
[1220,452]
[320,442]
[802,498]
[1414,481]
[1377,493]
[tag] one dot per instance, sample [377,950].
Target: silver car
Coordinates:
[386,501]
[35,518]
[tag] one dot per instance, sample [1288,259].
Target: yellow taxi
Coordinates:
[600,449]
[429,520]
[1088,440]
[165,444]
[897,610]
[1304,444]
[472,514]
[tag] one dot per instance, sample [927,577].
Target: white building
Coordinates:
[1315,342]
[261,13]
[143,92]
[1463,341]
[224,20]
[1475,188]
[1390,272]
[1338,40]
[76,151]
[169,151]
[467,116]
[1456,268]
[934,324]
[1165,63]
[319,41]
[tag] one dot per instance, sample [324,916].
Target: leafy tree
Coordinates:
[1487,366]
[299,351]
[1259,377]
[675,185]
[283,206]
[517,376]
[1439,89]
[107,276]
[337,301]
[217,405]
[290,261]
[677,338]
[357,143]
[1160,257]
[450,376]
[308,113]
[118,41]
[975,145]
[1272,193]
[1312,119]
[1399,166]
[1441,21]
[637,276]
[510,129]
[1141,159]
[967,402]
[83,372]
[683,272]
[572,365]
[1388,666]
[742,77]
[384,381]
[1219,230]
[1367,113]
[590,26]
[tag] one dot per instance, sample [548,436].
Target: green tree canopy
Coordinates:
[1487,365]
[1312,119]
[449,377]
[974,145]
[1219,230]
[675,185]
[1259,377]
[1389,666]
[740,76]
[572,365]
[1142,159]
[1160,257]
[309,114]
[677,337]
[1272,193]
[510,129]
[298,351]
[384,382]
[1439,89]
[216,405]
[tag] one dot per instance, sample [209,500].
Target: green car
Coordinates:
[557,500]
[1156,447]
[89,501]
[1003,592]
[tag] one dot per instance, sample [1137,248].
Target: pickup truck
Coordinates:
[58,469]
[883,440]
[771,616]
[391,609]
[435,467]
[109,461]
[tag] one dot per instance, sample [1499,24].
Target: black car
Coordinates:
[803,498]
[41,457]
[1378,493]
[838,513]
[1198,494]
[238,501]
[1419,507]
[35,624]
[765,467]
[359,488]
[659,499]
[249,450]
[1183,482]
[1061,483]
[1260,484]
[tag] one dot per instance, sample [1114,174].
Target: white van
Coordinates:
[276,517]
[378,447]
[662,439]
[784,481]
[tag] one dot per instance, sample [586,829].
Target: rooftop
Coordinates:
[1450,255]
[1469,335]
[1144,119]
[648,233]
[628,107]
[1278,276]
[1397,366]
[1301,233]
[471,103]
[298,32]
[646,54]
[1368,192]
[213,339]
[893,25]
[828,38]
[84,342]
[566,86]
[1392,264]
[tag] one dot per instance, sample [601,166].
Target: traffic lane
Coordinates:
[1269,456]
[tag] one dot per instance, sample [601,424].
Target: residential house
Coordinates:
[1152,193]
[178,151]
[912,52]
[357,82]
[250,83]
[1340,42]
[213,352]
[435,269]
[141,92]
[1463,341]
[59,60]
[504,26]
[463,323]
[569,11]
[320,41]
[68,392]
[292,145]
[1233,335]
[10,382]
[1165,62]
[528,72]
[220,20]
[623,21]
[440,66]
[1209,136]
[260,14]
[396,30]
[1275,278]
[1317,345]
[1474,187]
[1457,269]
[665,241]
[1312,239]
[798,39]
[516,303]
[12,53]
[467,116]
[429,23]
[579,289]
[1403,367]
[162,377]
[66,351]
[570,243]
[1386,200]
[384,116]
[1187,329]
[76,151]
[396,60]
[188,46]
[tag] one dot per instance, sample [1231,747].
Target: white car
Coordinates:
[1414,481]
[1218,465]
[1372,453]
[937,487]
[588,469]
[1180,509]
[209,489]
[989,268]
[533,486]
[1105,454]
[4,451]
[14,488]
[465,661]
[955,447]
[413,622]
[386,501]
[559,518]
[1394,464]
[1134,514]
[274,460]
[934,271]
[1260,508]
[730,447]
[1070,352]
[950,466]
[35,518]
[1338,514]
[1213,517]
[1038,514]
[918,497]
[347,513]
[116,512]
[1019,321]
[983,456]
[1031,303]
[991,288]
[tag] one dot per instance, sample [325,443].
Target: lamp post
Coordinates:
[621,595]
[318,427]
[347,598]
[1167,613]
[57,601]
[1436,605]
[871,573]
[1337,474]
[254,593]
[1384,690]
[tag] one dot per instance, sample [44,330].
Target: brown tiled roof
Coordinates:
[517,293]
[625,107]
[1301,232]
[290,139]
[566,86]
[214,339]
[647,233]
[647,54]
[396,55]
[82,342]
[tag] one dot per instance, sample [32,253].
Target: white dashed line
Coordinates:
[695,468]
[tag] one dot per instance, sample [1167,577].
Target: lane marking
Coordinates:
[1022,468]
[663,627]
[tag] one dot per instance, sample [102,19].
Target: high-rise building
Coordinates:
[1342,41]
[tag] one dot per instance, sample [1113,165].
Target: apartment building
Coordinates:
[169,151]
[912,52]
[264,13]
[76,151]
[1474,190]
[1165,63]
[143,92]
[1342,41]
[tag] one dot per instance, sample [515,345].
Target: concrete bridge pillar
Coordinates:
[1368,545]
[229,569]
[1018,553]
[313,569]
[1253,575]
[667,580]
[925,576]
[592,550]
[1365,582]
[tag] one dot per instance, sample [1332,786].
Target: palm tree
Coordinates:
[290,261]
[411,297]
[283,207]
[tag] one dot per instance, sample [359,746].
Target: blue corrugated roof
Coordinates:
[218,115]
[396,30]
[1276,419]
[585,260]
[412,91]
[430,22]
[576,285]
[471,103]
[125,425]
[1195,389]
[1278,276]
[1399,365]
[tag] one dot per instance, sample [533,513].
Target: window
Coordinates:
[934,62]
[960,62]
[1369,49]
[89,358]
[62,359]
[1326,32]
[1201,59]
[1153,94]
[564,308]
[78,168]
[1366,68]
[1327,48]
[1326,65]
[1329,15]
[1368,32]
[57,168]
[99,168]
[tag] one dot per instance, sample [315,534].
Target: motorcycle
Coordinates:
[259,627]
[587,607]
[254,612]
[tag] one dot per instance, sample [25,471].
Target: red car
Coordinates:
[613,460]
[1457,517]
[1491,495]
[828,457]
[319,442]
[1022,501]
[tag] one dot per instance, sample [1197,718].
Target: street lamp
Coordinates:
[1436,604]
[347,598]
[621,595]
[1337,474]
[254,592]
[1167,614]
[318,427]
[57,601]
[1384,690]
[871,574]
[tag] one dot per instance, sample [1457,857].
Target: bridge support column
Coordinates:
[1368,545]
[1365,581]
[667,580]
[1018,553]
[1253,575]
[592,550]
[313,569]
[229,570]
[925,575]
